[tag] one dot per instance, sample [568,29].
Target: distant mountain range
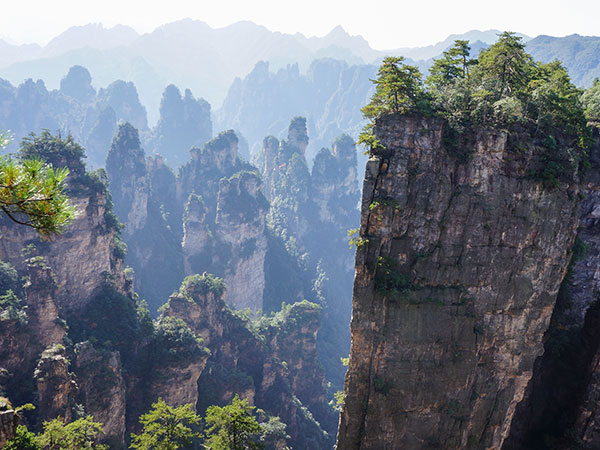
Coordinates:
[191,54]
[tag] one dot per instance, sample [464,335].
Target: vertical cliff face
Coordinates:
[56,387]
[201,175]
[458,267]
[24,336]
[241,212]
[79,256]
[288,184]
[293,338]
[559,410]
[224,223]
[101,388]
[9,420]
[126,168]
[139,204]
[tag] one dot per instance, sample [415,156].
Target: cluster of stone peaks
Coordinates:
[272,236]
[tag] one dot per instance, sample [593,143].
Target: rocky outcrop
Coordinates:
[224,222]
[178,384]
[241,212]
[126,169]
[241,361]
[139,204]
[196,233]
[458,268]
[9,420]
[185,122]
[102,390]
[122,97]
[55,386]
[201,175]
[287,185]
[559,407]
[78,84]
[81,255]
[42,311]
[23,337]
[292,337]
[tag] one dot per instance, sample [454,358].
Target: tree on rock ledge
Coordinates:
[398,89]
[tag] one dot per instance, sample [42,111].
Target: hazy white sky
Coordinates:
[384,23]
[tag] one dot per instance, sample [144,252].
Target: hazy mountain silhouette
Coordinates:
[190,54]
[579,54]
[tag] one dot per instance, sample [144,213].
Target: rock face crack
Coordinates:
[455,285]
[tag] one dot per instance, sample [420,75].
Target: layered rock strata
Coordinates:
[459,262]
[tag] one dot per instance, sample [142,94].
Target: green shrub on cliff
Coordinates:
[398,90]
[502,88]
[204,283]
[174,340]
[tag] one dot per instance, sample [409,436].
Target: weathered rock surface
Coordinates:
[147,233]
[9,420]
[102,390]
[241,212]
[559,410]
[79,257]
[55,386]
[457,274]
[126,168]
[293,339]
[23,339]
[241,362]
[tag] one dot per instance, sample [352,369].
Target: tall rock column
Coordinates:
[241,212]
[458,267]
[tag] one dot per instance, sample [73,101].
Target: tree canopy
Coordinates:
[398,89]
[167,428]
[591,102]
[31,193]
[503,86]
[81,434]
[232,427]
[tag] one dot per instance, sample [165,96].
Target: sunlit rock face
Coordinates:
[457,274]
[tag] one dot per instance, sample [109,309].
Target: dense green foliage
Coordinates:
[204,283]
[173,339]
[232,427]
[32,194]
[591,102]
[81,434]
[398,89]
[23,440]
[167,428]
[54,150]
[504,87]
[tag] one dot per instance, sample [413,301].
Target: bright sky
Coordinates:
[384,23]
